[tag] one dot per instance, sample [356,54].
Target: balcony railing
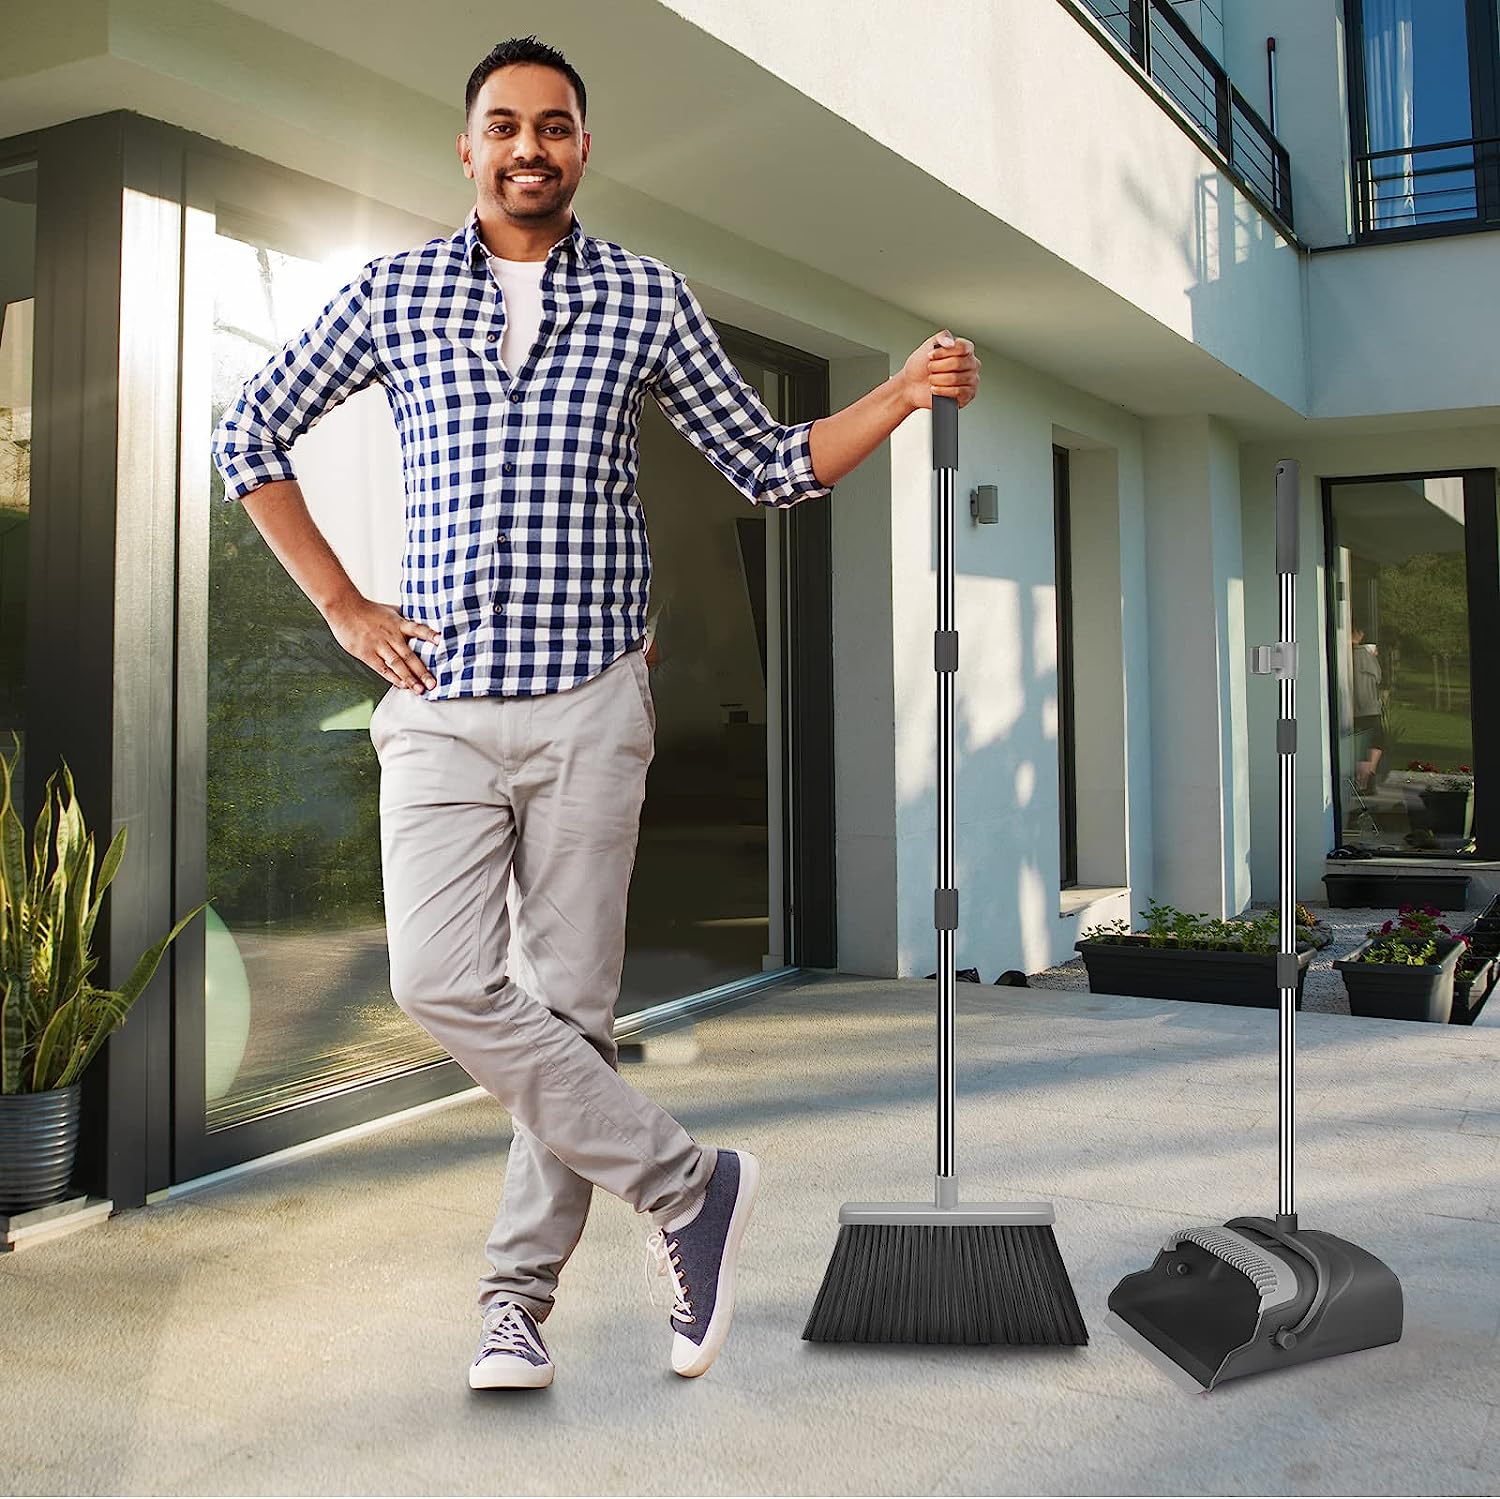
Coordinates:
[1421,188]
[1194,81]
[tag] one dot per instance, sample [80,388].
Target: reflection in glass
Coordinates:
[17,304]
[297,986]
[1402,666]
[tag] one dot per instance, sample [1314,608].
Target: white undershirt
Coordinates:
[520,283]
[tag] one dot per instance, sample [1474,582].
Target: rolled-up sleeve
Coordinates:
[323,365]
[703,396]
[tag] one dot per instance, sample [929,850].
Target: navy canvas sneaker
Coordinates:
[512,1355]
[701,1256]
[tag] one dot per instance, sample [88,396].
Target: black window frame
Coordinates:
[1482,574]
[1484,103]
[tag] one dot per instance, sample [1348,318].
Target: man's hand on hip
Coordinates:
[377,634]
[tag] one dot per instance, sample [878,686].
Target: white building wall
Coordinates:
[1193,590]
[1019,109]
[1406,327]
[1312,111]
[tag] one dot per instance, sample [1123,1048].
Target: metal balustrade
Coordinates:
[1194,82]
[1413,187]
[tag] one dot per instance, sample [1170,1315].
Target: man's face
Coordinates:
[525,124]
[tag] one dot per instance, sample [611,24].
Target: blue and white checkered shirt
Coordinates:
[526,544]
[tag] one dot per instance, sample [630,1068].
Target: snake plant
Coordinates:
[52,1019]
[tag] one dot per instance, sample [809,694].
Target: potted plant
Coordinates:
[53,1020]
[1473,979]
[1447,798]
[1405,970]
[1190,956]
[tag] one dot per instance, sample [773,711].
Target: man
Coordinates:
[515,356]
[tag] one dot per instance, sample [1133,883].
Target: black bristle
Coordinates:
[946,1283]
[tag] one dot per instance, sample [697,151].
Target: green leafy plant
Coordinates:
[1166,926]
[52,1019]
[1412,939]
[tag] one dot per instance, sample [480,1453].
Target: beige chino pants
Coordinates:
[475,792]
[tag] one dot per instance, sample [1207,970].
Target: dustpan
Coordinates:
[1259,1294]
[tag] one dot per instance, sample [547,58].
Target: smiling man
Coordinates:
[515,738]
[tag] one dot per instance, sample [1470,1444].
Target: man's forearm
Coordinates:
[280,514]
[841,442]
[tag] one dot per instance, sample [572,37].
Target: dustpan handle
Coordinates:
[1288,498]
[945,895]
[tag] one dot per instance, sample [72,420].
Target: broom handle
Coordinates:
[945,896]
[1288,486]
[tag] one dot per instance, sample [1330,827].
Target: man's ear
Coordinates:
[463,153]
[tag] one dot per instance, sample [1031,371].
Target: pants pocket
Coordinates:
[643,685]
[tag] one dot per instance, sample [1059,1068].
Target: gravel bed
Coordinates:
[1323,988]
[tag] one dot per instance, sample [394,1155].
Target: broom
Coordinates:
[946,1271]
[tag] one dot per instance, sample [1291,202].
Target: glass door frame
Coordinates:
[1482,576]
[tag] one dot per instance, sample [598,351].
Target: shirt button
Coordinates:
[516,396]
[499,608]
[509,468]
[491,337]
[503,538]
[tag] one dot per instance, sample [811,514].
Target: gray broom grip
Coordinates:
[1288,496]
[945,896]
[1288,506]
[944,432]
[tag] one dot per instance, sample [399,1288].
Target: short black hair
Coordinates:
[524,49]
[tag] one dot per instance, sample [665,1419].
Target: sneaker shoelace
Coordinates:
[664,1254]
[506,1331]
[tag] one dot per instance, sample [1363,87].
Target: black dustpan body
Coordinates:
[1251,1297]
[1259,1294]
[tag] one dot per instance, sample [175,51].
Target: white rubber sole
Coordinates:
[509,1374]
[691,1359]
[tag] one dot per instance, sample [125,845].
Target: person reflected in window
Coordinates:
[1369,726]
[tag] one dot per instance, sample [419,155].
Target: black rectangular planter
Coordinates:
[1397,887]
[1401,991]
[1133,966]
[1469,995]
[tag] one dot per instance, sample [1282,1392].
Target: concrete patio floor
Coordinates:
[306,1328]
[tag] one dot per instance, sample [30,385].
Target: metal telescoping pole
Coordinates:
[945,896]
[1288,483]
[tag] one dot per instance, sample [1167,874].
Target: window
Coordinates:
[1423,91]
[1410,588]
